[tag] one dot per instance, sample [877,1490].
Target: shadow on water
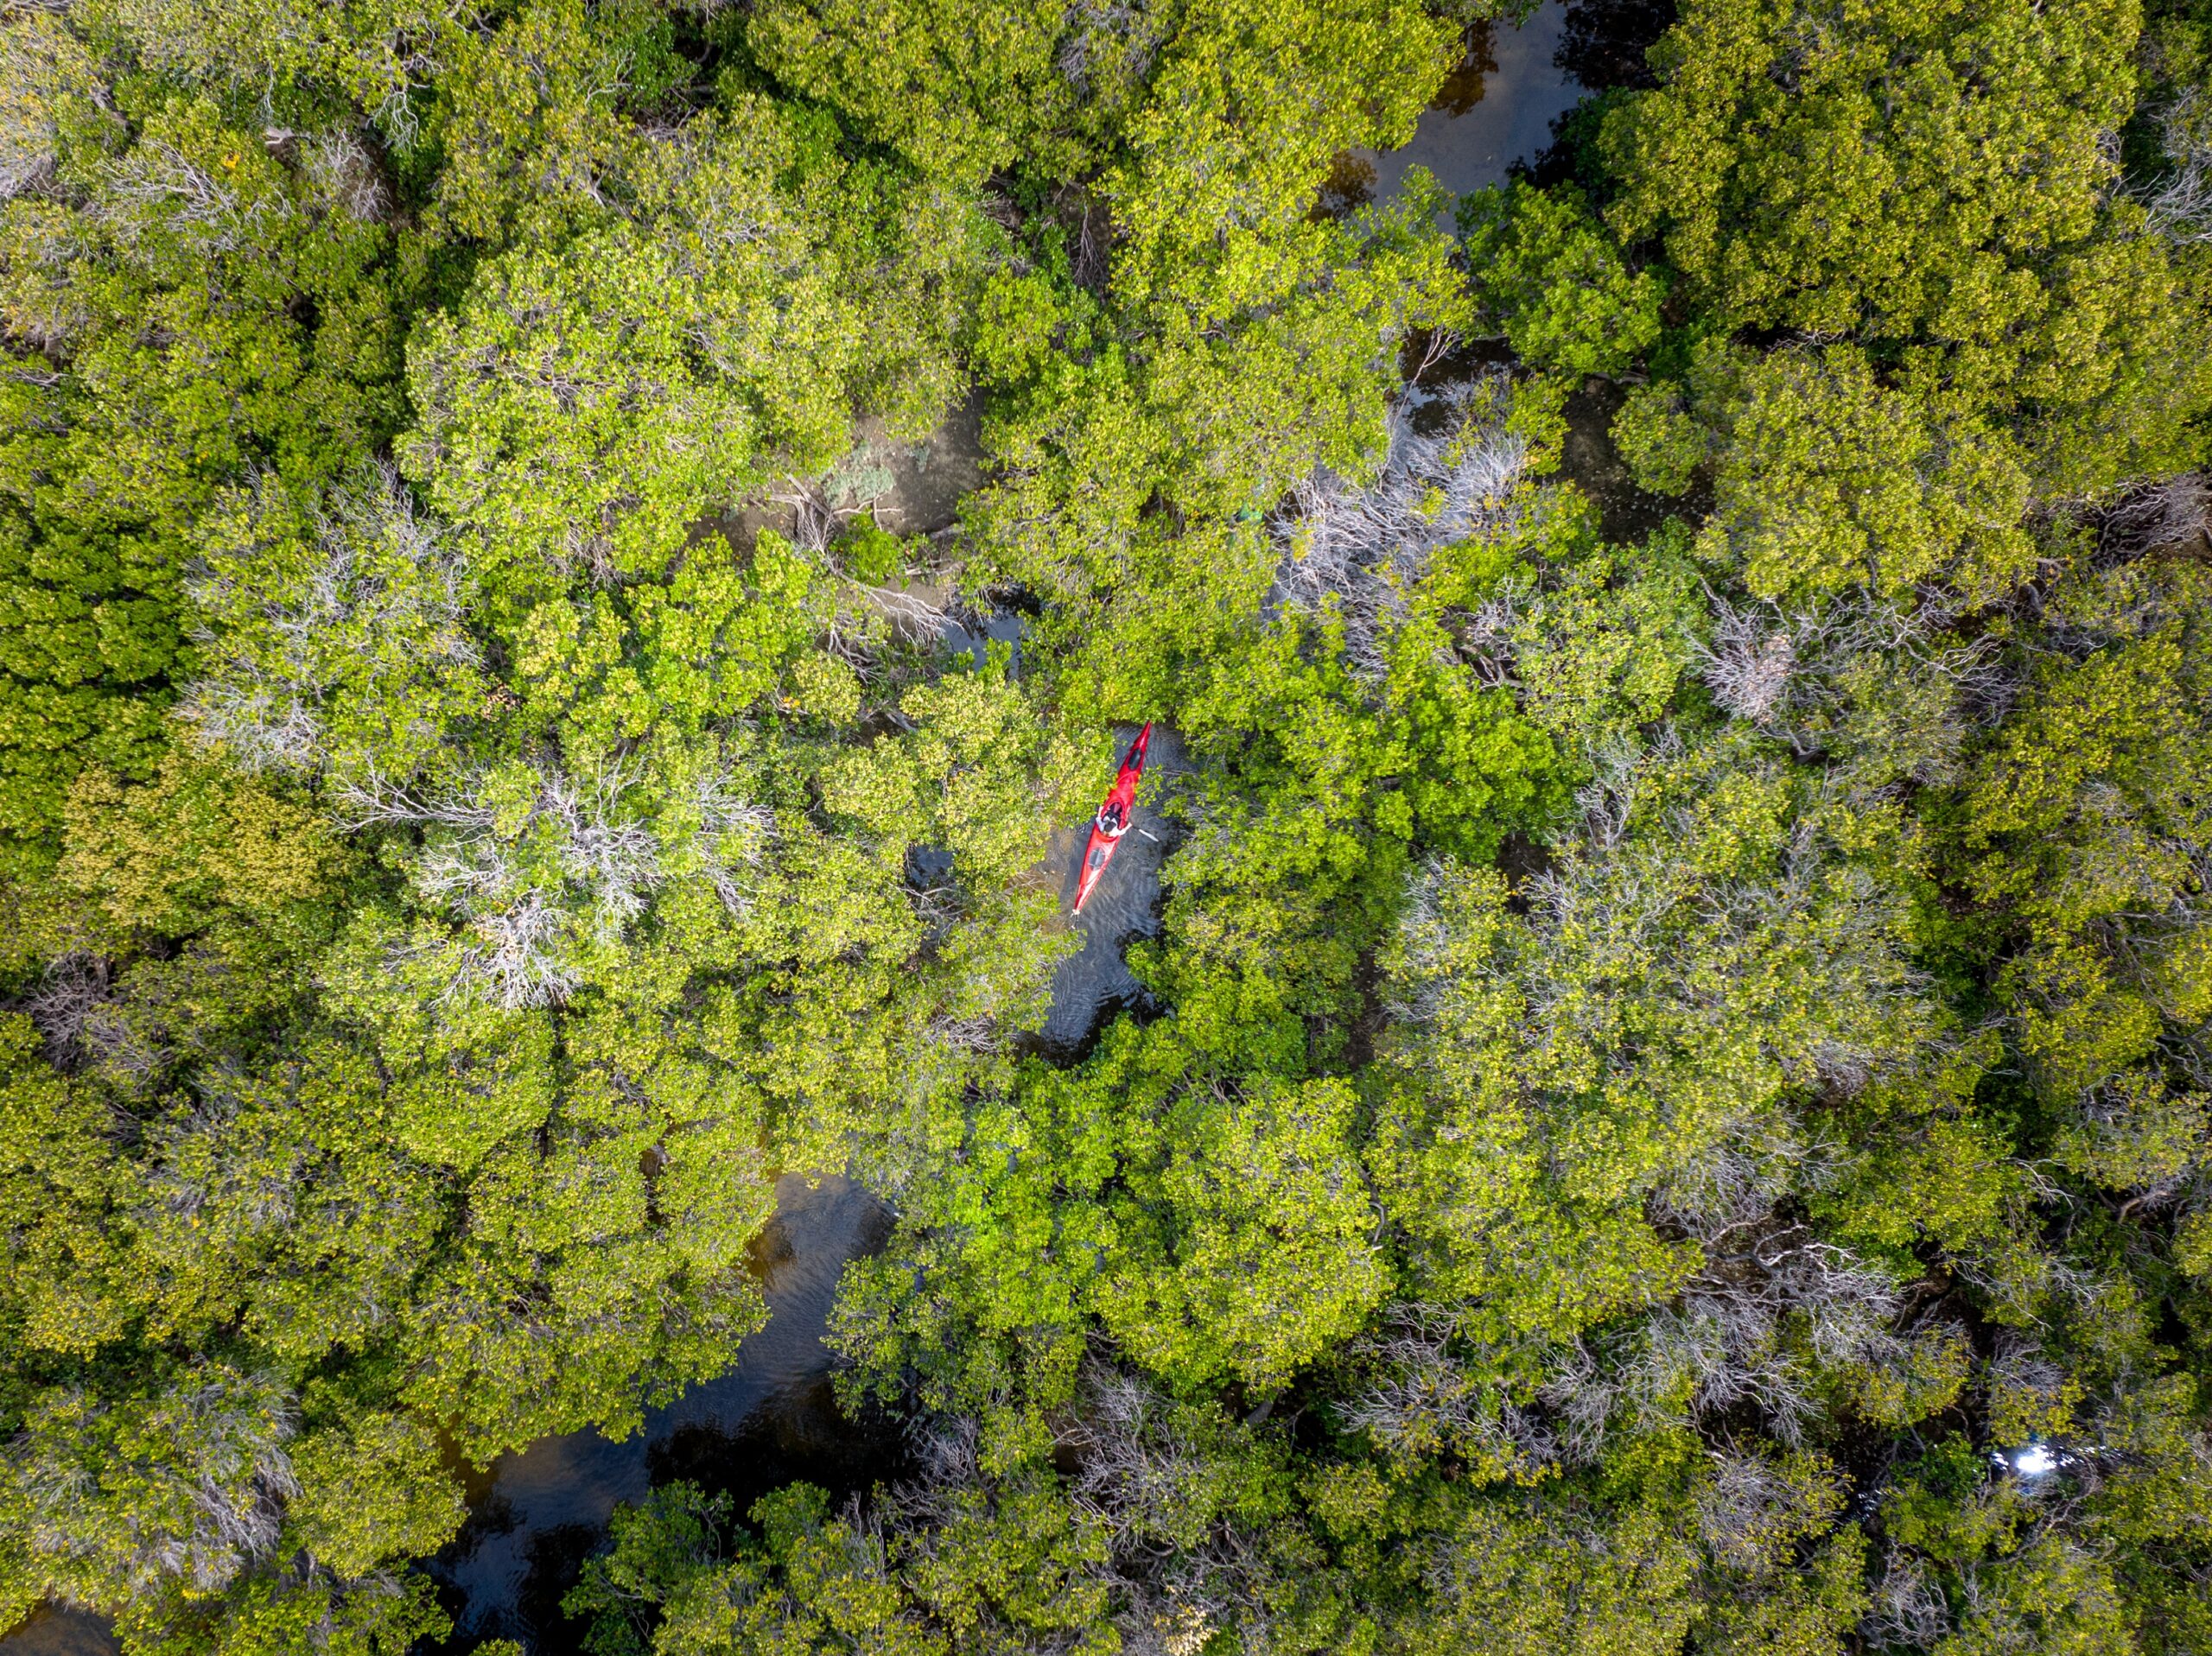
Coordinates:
[1603,43]
[535,1516]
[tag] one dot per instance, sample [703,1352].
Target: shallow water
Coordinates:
[1589,460]
[1124,906]
[1495,109]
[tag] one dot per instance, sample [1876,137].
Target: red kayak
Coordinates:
[1113,819]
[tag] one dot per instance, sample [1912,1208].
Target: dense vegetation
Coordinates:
[1674,1111]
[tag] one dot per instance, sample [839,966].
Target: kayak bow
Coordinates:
[1113,819]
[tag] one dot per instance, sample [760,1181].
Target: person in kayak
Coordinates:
[1113,819]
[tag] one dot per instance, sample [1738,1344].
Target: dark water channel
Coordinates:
[536,1514]
[1095,980]
[1494,109]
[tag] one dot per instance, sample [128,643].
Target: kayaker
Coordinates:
[1113,819]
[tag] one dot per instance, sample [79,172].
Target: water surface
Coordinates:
[1124,906]
[1495,109]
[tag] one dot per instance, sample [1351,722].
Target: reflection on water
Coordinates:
[1494,109]
[1602,42]
[964,635]
[536,1515]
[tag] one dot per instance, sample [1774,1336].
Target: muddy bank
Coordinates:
[1589,460]
[52,1632]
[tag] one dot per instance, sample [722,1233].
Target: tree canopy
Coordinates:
[1663,1104]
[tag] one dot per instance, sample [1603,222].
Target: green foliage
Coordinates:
[2104,895]
[372,1490]
[530,116]
[1828,480]
[1982,154]
[183,307]
[1662,444]
[1248,1246]
[376,54]
[955,90]
[1246,110]
[1560,1068]
[1663,1104]
[166,1486]
[1526,1587]
[1933,182]
[998,1564]
[1549,276]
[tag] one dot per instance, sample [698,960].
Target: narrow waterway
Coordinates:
[1095,981]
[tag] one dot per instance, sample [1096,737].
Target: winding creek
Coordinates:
[536,1514]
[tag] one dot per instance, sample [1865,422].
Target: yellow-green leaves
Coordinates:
[1251,1247]
[1935,183]
[333,630]
[531,118]
[1551,277]
[373,1490]
[166,857]
[1661,445]
[958,90]
[1896,171]
[1829,481]
[1243,118]
[1660,1001]
[2085,822]
[175,1485]
[66,1264]
[568,421]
